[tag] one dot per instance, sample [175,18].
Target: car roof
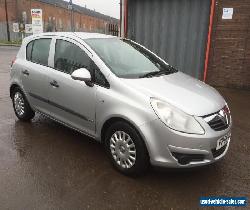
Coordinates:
[81,35]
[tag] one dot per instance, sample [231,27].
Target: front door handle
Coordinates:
[26,72]
[54,83]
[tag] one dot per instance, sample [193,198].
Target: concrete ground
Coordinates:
[44,165]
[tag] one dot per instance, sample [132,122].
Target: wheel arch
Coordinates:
[110,122]
[12,88]
[16,85]
[115,119]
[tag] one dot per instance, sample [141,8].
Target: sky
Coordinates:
[106,7]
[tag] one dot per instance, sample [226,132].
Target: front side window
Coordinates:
[38,52]
[69,57]
[127,59]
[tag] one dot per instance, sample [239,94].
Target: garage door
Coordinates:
[174,29]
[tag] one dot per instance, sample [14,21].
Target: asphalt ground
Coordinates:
[44,165]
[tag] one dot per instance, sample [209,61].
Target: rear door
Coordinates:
[35,71]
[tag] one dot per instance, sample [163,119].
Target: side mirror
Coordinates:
[81,75]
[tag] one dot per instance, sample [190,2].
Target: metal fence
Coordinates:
[113,29]
[50,26]
[3,33]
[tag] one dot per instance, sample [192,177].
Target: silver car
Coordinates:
[116,91]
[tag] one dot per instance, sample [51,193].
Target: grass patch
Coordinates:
[16,42]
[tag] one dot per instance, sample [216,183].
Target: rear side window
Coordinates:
[37,51]
[69,57]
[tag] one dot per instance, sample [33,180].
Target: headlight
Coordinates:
[175,118]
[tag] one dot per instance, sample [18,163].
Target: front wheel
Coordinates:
[21,106]
[126,149]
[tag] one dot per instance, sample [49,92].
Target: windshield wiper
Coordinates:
[155,73]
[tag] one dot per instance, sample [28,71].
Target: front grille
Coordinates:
[220,120]
[218,124]
[217,153]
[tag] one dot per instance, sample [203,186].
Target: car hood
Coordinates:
[184,92]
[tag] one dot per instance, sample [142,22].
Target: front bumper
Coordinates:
[169,148]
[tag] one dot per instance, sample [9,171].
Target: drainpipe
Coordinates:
[120,18]
[7,20]
[70,7]
[209,38]
[125,17]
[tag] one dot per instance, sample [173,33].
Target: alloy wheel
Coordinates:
[19,103]
[123,149]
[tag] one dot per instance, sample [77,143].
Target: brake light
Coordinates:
[12,62]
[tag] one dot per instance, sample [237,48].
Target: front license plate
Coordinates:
[223,141]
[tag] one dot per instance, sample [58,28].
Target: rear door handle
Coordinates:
[26,72]
[54,83]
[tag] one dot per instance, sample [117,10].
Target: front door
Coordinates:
[71,101]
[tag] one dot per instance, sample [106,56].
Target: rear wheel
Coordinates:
[21,106]
[126,149]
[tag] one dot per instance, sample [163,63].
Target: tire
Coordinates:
[21,106]
[123,142]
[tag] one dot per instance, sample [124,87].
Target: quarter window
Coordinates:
[29,50]
[99,78]
[69,57]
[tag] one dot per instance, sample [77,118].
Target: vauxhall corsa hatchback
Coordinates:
[118,92]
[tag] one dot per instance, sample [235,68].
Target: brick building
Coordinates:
[193,36]
[229,59]
[56,17]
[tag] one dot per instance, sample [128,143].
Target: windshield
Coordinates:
[127,59]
